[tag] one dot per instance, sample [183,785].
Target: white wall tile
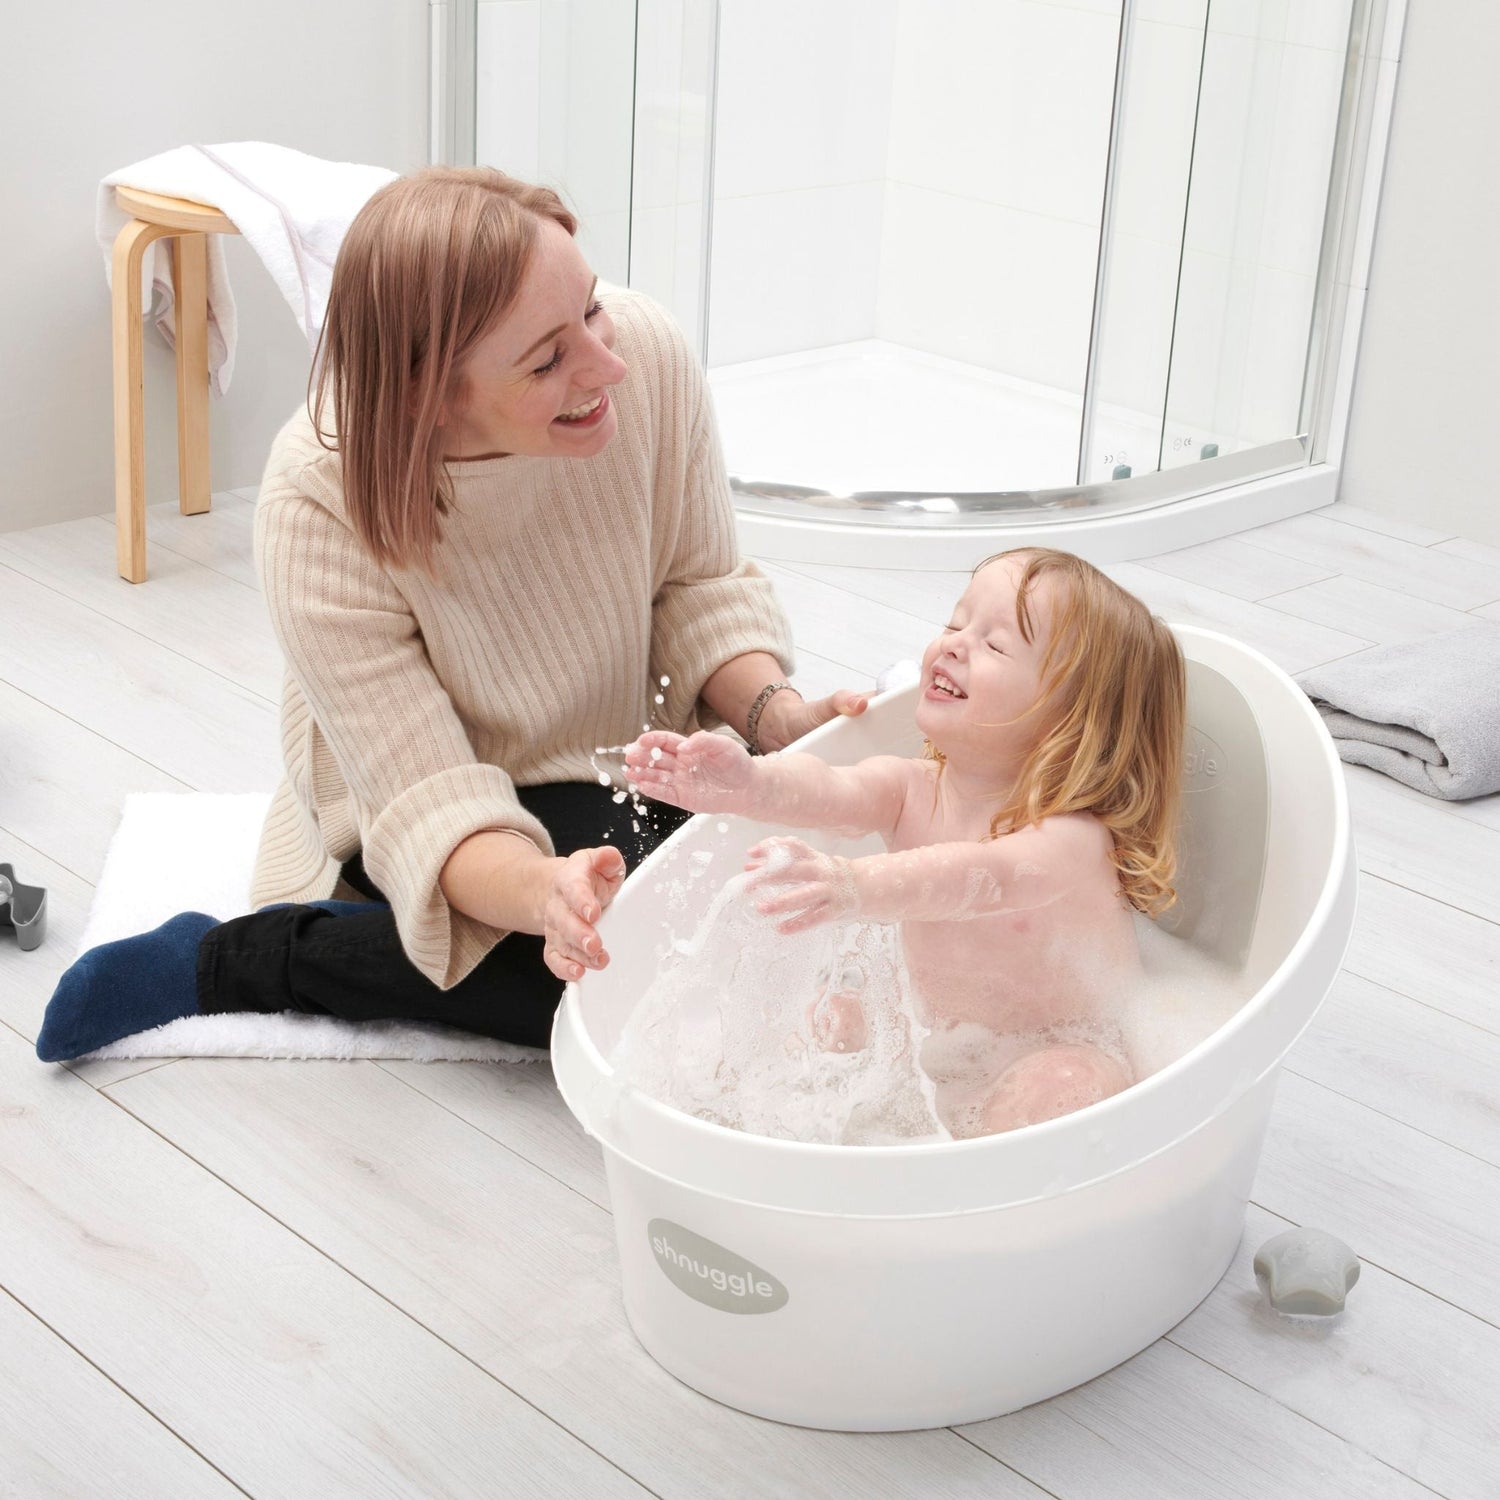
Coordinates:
[1189,13]
[658,103]
[794,271]
[1231,154]
[1276,354]
[507,78]
[698,64]
[666,261]
[1135,338]
[1006,102]
[588,55]
[1320,23]
[1208,344]
[1155,149]
[1005,290]
[804,94]
[604,239]
[1306,120]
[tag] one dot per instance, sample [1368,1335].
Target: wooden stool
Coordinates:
[189,224]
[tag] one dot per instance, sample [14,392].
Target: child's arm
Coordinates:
[711,773]
[937,883]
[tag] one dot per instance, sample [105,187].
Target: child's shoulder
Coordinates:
[1078,833]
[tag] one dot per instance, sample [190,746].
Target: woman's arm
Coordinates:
[784,717]
[444,835]
[507,882]
[710,773]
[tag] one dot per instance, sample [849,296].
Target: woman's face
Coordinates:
[538,382]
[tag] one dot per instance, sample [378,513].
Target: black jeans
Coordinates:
[349,962]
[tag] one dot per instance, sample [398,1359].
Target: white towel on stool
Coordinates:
[292,209]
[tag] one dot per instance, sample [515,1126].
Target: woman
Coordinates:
[499,539]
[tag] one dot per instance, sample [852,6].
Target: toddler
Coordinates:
[1042,814]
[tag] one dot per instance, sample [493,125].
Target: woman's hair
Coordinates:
[1113,703]
[429,264]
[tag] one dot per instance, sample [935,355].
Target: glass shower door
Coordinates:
[1213,248]
[555,86]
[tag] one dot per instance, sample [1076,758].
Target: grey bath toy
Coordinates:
[1306,1271]
[23,907]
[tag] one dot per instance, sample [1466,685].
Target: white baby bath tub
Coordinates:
[878,1288]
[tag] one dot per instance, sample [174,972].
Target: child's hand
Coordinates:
[703,773]
[807,887]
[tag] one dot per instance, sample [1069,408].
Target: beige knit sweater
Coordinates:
[567,588]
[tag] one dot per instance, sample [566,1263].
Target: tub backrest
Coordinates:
[1221,848]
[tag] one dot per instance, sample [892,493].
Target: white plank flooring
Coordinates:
[296,1279]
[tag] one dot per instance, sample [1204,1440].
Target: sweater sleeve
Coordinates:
[711,605]
[415,786]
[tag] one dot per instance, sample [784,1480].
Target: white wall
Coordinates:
[94,85]
[1421,439]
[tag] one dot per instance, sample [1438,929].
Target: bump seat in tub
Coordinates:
[878,1288]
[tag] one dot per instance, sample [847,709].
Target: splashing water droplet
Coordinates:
[666,681]
[603,779]
[660,699]
[618,797]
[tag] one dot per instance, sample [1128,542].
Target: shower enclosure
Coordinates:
[969,272]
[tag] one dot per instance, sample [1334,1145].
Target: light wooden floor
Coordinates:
[327,1279]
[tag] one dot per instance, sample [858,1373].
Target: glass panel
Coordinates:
[675,56]
[905,226]
[555,103]
[1162,60]
[1273,78]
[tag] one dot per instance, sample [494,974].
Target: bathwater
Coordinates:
[821,1037]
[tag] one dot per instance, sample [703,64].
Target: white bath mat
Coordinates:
[196,852]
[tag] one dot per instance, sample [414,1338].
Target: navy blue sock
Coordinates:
[120,988]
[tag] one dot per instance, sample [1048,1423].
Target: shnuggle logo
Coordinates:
[710,1274]
[1202,762]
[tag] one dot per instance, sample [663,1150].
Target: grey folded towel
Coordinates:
[1426,712]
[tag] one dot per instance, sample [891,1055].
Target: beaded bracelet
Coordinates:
[752,719]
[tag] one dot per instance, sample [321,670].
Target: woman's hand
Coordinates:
[582,885]
[786,717]
[702,773]
[807,887]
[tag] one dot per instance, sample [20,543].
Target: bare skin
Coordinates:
[1014,933]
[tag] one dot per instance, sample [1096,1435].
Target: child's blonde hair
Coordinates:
[1113,700]
[429,264]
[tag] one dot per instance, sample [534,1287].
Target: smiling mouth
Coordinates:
[947,686]
[582,413]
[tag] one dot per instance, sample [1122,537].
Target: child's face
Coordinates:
[981,675]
